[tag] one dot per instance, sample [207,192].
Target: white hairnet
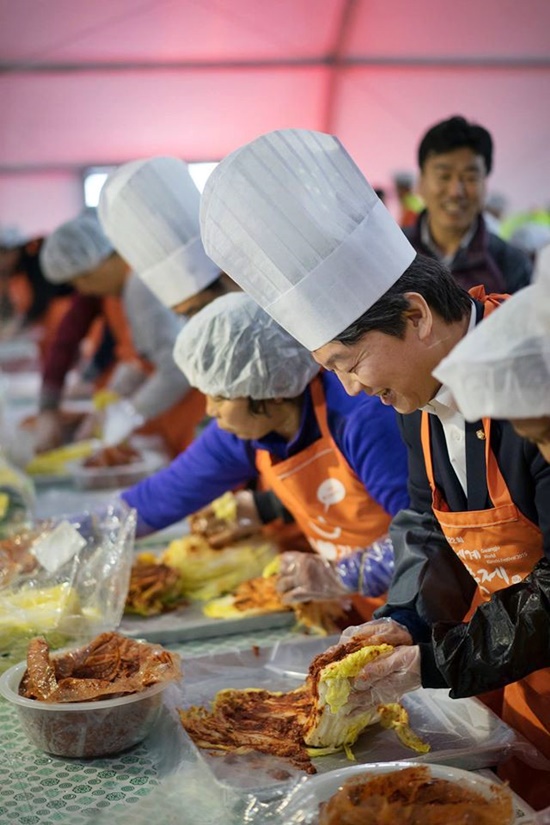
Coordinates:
[502,368]
[74,248]
[233,349]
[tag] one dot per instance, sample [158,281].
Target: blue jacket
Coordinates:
[363,429]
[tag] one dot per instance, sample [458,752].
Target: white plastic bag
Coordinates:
[77,584]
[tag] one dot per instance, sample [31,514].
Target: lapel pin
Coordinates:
[480,434]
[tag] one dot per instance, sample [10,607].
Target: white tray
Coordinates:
[463,733]
[189,623]
[303,806]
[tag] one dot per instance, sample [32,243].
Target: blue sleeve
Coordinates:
[368,571]
[215,462]
[368,436]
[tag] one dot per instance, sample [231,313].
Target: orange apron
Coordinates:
[176,425]
[499,547]
[326,498]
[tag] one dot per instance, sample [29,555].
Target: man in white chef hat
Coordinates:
[149,209]
[291,218]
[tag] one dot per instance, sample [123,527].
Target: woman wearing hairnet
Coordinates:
[502,370]
[159,394]
[337,463]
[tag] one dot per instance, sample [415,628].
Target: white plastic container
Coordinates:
[84,729]
[303,805]
[117,476]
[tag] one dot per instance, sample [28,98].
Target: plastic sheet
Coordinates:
[254,788]
[78,586]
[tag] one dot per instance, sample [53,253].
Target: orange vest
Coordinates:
[500,546]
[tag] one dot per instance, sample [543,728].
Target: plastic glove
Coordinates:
[48,432]
[387,678]
[221,532]
[126,377]
[306,577]
[120,419]
[379,631]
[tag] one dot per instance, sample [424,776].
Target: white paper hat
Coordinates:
[233,349]
[150,211]
[293,221]
[502,368]
[74,248]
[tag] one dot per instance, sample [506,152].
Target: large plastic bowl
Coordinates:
[84,729]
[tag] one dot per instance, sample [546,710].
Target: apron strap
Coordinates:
[426,448]
[319,406]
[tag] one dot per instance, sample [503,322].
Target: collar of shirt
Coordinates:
[443,404]
[428,241]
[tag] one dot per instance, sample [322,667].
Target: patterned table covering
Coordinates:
[38,789]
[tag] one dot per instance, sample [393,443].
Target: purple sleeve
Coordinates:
[368,571]
[214,463]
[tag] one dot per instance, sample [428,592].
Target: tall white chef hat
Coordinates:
[502,368]
[233,349]
[74,248]
[150,210]
[293,221]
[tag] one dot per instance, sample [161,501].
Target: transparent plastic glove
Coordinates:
[48,431]
[387,678]
[220,532]
[127,376]
[379,631]
[307,577]
[120,419]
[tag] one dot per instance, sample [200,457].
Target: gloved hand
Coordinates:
[220,532]
[306,577]
[387,678]
[379,631]
[120,419]
[48,432]
[126,377]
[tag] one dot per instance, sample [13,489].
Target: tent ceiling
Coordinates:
[98,83]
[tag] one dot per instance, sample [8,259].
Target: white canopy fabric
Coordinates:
[101,83]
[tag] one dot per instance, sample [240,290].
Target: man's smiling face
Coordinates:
[397,370]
